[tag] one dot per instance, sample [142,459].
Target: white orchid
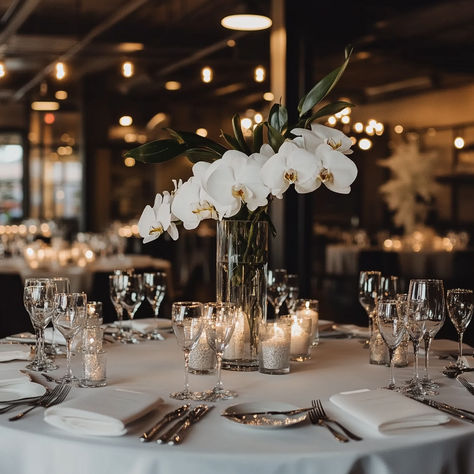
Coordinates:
[311,139]
[234,180]
[156,220]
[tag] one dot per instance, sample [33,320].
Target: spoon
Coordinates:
[453,372]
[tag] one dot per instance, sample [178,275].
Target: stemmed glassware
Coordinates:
[38,300]
[219,323]
[391,323]
[60,285]
[116,288]
[293,292]
[131,298]
[277,289]
[187,323]
[369,288]
[460,304]
[69,317]
[389,286]
[155,289]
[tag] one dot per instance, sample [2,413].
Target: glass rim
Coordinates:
[460,290]
[187,303]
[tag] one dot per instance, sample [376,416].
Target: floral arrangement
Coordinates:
[238,181]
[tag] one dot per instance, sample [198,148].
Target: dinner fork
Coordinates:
[315,420]
[56,396]
[466,384]
[321,413]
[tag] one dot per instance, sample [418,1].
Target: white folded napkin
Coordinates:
[10,352]
[352,329]
[386,411]
[146,324]
[104,412]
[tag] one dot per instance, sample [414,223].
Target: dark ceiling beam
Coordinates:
[9,11]
[16,21]
[112,20]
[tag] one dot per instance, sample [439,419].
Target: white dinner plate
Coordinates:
[21,390]
[264,421]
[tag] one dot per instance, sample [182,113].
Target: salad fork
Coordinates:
[321,412]
[315,420]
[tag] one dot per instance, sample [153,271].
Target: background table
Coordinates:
[216,445]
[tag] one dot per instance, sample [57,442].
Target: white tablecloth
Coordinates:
[217,445]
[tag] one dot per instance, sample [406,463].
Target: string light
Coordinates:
[459,142]
[365,144]
[206,74]
[258,118]
[398,129]
[60,95]
[172,85]
[3,70]
[125,120]
[259,74]
[246,22]
[246,123]
[345,119]
[332,120]
[127,69]
[129,162]
[359,127]
[231,43]
[201,132]
[268,96]
[60,71]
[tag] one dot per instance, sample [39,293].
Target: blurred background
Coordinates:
[83,81]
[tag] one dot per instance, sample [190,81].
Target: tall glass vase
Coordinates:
[242,255]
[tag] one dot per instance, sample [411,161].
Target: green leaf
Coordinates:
[278,117]
[329,109]
[157,151]
[275,138]
[239,135]
[257,137]
[202,154]
[196,140]
[323,87]
[231,141]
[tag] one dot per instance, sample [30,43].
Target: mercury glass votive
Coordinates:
[202,359]
[274,346]
[93,369]
[301,337]
[94,310]
[310,308]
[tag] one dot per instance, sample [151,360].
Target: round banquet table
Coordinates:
[217,445]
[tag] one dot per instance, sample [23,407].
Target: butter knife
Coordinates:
[148,435]
[194,417]
[263,413]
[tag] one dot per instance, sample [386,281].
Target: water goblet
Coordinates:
[389,286]
[460,304]
[369,288]
[60,285]
[38,300]
[186,317]
[116,289]
[219,323]
[293,292]
[155,289]
[131,299]
[390,320]
[277,290]
[69,317]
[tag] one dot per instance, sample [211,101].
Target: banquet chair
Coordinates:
[13,316]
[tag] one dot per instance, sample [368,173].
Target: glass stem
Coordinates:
[40,345]
[371,324]
[186,367]
[68,355]
[416,345]
[459,361]
[427,340]
[219,387]
[391,382]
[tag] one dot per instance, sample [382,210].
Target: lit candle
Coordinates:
[275,347]
[94,367]
[202,359]
[300,337]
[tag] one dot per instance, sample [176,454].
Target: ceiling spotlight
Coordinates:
[259,74]
[44,105]
[246,22]
[268,96]
[398,129]
[60,95]
[459,142]
[127,69]
[206,74]
[201,132]
[365,144]
[125,120]
[3,70]
[60,71]
[172,85]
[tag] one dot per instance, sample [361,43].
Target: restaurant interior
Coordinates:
[88,87]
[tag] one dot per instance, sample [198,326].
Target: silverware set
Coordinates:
[186,417]
[460,413]
[465,384]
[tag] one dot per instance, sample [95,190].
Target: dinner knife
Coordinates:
[449,409]
[161,423]
[193,418]
[263,413]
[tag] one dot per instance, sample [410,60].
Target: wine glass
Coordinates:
[460,307]
[293,292]
[219,323]
[389,286]
[431,292]
[155,289]
[60,285]
[116,288]
[186,317]
[369,288]
[69,317]
[391,323]
[131,298]
[38,300]
[277,289]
